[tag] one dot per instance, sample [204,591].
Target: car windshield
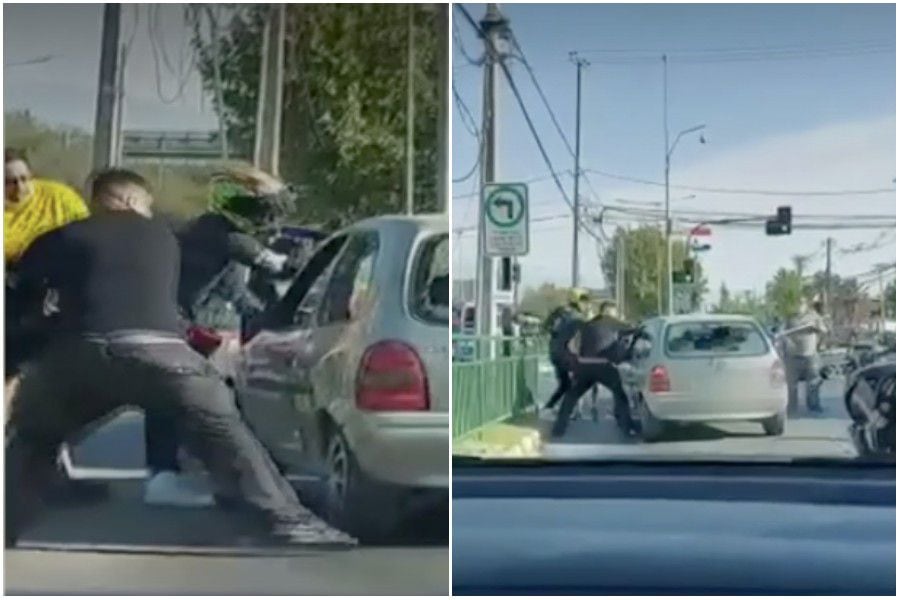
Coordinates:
[733,338]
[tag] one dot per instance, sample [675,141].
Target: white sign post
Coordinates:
[505,209]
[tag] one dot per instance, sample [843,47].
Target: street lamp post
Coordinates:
[669,151]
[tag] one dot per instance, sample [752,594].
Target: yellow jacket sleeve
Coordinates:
[49,207]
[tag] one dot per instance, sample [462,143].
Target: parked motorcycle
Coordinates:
[870,398]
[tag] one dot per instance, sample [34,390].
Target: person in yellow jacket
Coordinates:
[33,207]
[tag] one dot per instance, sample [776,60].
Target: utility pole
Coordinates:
[669,291]
[443,27]
[271,83]
[494,27]
[104,119]
[217,78]
[621,262]
[410,110]
[120,106]
[881,270]
[576,205]
[828,245]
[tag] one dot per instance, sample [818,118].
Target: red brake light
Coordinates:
[659,380]
[391,377]
[776,373]
[203,340]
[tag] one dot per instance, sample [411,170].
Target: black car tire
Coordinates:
[774,425]
[367,509]
[652,429]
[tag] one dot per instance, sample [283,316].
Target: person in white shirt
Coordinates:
[805,332]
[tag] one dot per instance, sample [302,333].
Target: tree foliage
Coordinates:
[784,292]
[645,270]
[743,303]
[344,105]
[540,301]
[64,154]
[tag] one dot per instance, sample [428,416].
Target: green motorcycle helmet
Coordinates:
[251,199]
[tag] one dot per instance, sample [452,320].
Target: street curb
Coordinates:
[500,440]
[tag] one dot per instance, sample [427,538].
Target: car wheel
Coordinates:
[774,425]
[368,510]
[652,429]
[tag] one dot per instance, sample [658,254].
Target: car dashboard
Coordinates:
[709,528]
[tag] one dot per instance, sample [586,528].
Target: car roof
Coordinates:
[426,221]
[705,318]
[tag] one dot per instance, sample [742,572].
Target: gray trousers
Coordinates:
[803,368]
[78,381]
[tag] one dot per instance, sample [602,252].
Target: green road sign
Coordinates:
[505,207]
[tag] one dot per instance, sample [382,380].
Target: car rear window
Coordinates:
[430,292]
[737,338]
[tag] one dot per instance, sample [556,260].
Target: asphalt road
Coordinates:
[121,546]
[806,434]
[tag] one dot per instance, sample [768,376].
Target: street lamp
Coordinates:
[669,151]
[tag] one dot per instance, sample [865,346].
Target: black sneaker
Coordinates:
[312,532]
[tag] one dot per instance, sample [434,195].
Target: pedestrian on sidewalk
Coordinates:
[118,342]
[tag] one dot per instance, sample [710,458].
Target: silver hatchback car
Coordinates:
[348,377]
[705,368]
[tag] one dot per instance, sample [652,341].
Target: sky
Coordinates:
[63,90]
[814,110]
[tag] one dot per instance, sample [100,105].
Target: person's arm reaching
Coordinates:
[246,250]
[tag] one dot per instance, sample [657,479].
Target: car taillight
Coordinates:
[659,380]
[203,340]
[391,377]
[776,373]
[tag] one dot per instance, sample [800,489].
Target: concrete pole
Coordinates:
[576,201]
[104,119]
[669,291]
[410,110]
[271,86]
[493,26]
[443,33]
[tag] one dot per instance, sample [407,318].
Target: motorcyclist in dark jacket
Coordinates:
[218,249]
[562,325]
[221,246]
[600,345]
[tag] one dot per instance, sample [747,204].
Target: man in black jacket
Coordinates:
[600,346]
[118,341]
[562,325]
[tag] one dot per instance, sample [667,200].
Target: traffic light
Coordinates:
[682,277]
[781,224]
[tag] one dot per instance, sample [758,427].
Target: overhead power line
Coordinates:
[538,179]
[537,86]
[740,53]
[457,37]
[537,138]
[754,192]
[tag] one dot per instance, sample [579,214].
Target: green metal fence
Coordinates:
[493,379]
